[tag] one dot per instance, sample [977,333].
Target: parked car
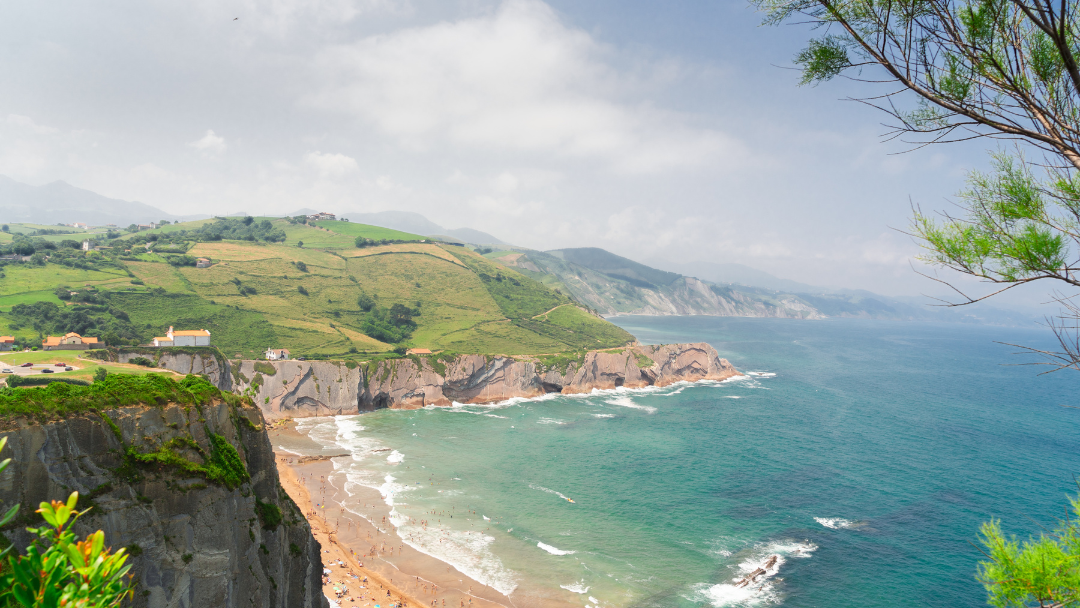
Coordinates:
[68,368]
[6,371]
[60,364]
[47,370]
[27,364]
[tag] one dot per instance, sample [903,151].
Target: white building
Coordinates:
[277,354]
[194,337]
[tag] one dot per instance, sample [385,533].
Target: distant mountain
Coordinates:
[60,202]
[408,221]
[475,237]
[616,266]
[738,273]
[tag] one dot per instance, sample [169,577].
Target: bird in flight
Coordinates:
[236,18]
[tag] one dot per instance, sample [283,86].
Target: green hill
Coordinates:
[325,298]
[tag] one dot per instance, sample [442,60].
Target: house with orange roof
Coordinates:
[69,341]
[7,342]
[184,337]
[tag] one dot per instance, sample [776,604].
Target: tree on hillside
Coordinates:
[947,71]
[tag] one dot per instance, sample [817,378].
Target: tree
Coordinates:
[948,71]
[100,374]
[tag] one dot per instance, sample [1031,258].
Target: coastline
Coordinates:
[374,550]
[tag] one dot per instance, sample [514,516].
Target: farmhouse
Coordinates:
[71,341]
[202,263]
[194,337]
[277,354]
[322,216]
[7,342]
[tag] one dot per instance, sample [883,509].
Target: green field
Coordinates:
[374,233]
[258,295]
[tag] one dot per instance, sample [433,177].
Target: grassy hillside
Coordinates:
[326,298]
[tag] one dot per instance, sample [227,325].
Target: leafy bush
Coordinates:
[301,289]
[15,380]
[269,514]
[182,260]
[143,361]
[58,570]
[265,368]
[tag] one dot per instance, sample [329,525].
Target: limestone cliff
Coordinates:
[194,543]
[300,388]
[198,360]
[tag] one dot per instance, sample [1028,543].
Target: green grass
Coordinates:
[353,230]
[235,331]
[315,238]
[26,278]
[29,297]
[466,303]
[58,401]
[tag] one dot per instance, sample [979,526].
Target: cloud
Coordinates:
[25,122]
[331,165]
[210,144]
[518,79]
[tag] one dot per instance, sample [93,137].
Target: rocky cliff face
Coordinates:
[199,360]
[194,543]
[299,388]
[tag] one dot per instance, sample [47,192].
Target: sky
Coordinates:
[659,131]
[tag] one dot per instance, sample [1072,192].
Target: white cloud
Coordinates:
[25,122]
[210,144]
[515,80]
[282,17]
[331,165]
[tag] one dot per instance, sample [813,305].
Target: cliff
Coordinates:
[301,388]
[195,541]
[199,360]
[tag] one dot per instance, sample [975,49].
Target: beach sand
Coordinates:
[373,550]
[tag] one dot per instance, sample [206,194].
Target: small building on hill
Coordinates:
[88,245]
[277,354]
[321,216]
[202,263]
[7,343]
[70,341]
[192,337]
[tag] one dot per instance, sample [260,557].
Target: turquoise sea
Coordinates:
[863,454]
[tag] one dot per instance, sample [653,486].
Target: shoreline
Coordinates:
[373,550]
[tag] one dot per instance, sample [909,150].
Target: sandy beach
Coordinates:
[366,559]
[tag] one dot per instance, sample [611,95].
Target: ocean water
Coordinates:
[853,464]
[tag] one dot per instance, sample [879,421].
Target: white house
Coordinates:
[277,354]
[194,337]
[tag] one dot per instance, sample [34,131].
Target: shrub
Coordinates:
[269,514]
[301,289]
[265,368]
[294,550]
[143,361]
[100,374]
[302,267]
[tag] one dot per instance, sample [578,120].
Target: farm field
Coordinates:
[258,295]
[375,233]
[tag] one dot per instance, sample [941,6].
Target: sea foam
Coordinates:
[578,587]
[762,590]
[837,523]
[555,551]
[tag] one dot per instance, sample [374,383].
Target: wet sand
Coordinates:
[374,550]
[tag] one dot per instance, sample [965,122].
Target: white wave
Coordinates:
[550,421]
[486,518]
[628,402]
[837,523]
[284,449]
[578,587]
[549,491]
[496,416]
[604,415]
[765,560]
[594,600]
[732,397]
[395,457]
[467,551]
[555,551]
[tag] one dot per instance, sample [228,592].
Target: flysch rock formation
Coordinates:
[199,544]
[199,360]
[318,388]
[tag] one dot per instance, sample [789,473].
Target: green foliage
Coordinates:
[89,320]
[643,362]
[294,550]
[365,302]
[561,362]
[265,368]
[1037,572]
[391,325]
[181,260]
[100,374]
[16,380]
[58,570]
[269,514]
[1016,227]
[58,400]
[143,361]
